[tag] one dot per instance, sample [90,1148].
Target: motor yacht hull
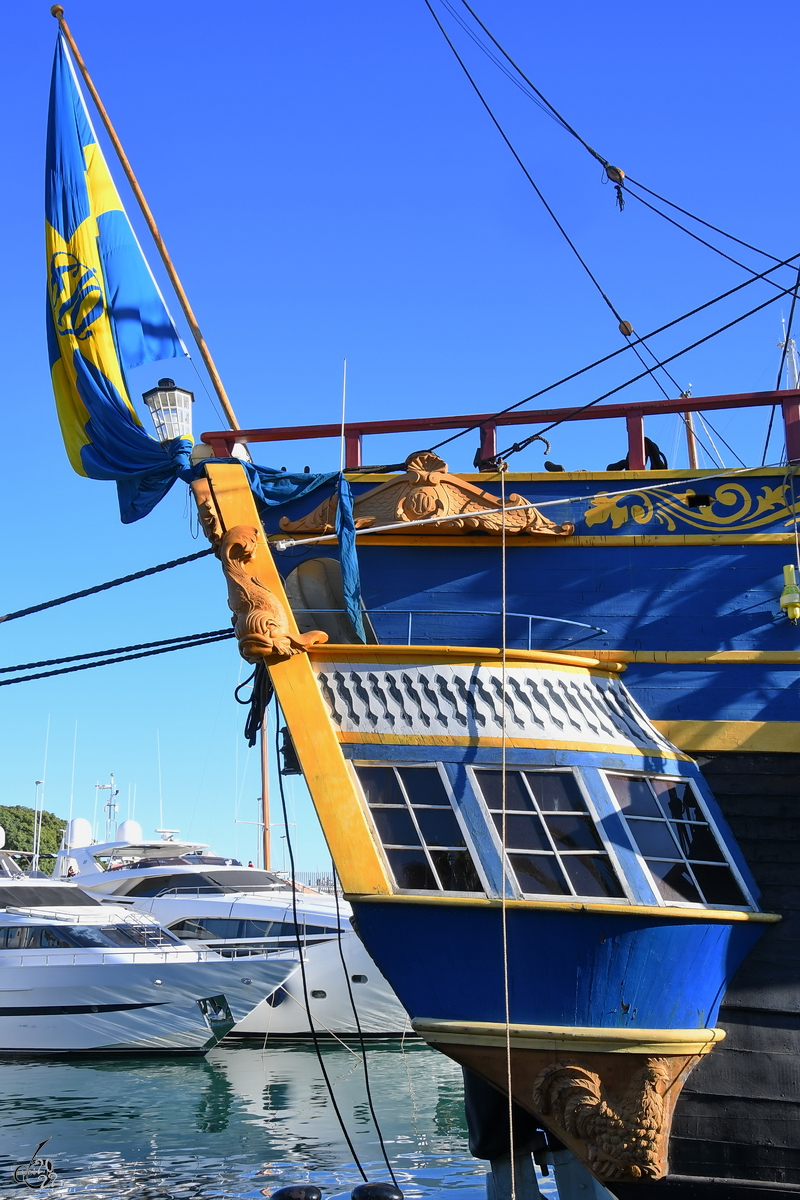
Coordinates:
[143,1005]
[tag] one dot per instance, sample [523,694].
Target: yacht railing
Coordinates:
[410,613]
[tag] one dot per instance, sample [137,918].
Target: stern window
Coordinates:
[551,839]
[418,829]
[673,836]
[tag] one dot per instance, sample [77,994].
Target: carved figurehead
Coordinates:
[260,621]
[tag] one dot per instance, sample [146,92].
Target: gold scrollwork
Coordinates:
[733,505]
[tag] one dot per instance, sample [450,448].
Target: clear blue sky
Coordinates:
[329,185]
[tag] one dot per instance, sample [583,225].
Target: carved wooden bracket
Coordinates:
[260,621]
[427,491]
[623,1136]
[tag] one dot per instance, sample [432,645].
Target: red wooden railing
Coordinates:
[222,441]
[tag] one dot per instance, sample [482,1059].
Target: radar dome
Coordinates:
[2,837]
[78,833]
[129,831]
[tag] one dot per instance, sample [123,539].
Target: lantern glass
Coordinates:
[171,409]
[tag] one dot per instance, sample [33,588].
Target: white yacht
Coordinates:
[237,911]
[78,976]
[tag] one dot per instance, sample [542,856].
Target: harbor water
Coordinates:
[243,1121]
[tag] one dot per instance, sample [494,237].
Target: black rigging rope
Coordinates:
[103,587]
[301,955]
[619,178]
[571,417]
[622,349]
[187,644]
[786,338]
[367,1087]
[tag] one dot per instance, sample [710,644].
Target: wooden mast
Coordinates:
[58,12]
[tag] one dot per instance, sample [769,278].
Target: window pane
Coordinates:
[424,785]
[439,827]
[719,885]
[678,800]
[522,832]
[674,881]
[654,839]
[556,791]
[255,929]
[634,796]
[411,870]
[539,873]
[456,871]
[380,785]
[592,875]
[491,784]
[697,841]
[16,937]
[573,833]
[395,827]
[52,940]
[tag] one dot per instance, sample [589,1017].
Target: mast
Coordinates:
[265,830]
[58,12]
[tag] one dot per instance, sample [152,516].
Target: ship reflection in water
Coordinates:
[239,1122]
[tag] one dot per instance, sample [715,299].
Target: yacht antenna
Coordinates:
[265,830]
[101,787]
[111,809]
[792,370]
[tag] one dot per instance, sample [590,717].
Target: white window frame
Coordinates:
[469,844]
[575,772]
[729,861]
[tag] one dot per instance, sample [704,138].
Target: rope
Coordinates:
[614,353]
[311,1026]
[52,662]
[107,662]
[619,178]
[729,325]
[522,166]
[787,335]
[103,587]
[504,896]
[367,1087]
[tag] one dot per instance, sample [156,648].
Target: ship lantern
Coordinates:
[171,409]
[790,596]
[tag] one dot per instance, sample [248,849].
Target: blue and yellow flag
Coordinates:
[105,311]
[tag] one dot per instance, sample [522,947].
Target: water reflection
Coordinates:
[240,1122]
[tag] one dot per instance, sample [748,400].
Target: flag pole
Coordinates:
[58,12]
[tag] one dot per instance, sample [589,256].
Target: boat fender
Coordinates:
[375,1191]
[299,1191]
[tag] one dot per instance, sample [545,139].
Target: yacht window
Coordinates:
[671,830]
[206,883]
[552,841]
[48,896]
[228,928]
[418,829]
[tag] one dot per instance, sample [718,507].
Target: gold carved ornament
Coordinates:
[427,491]
[626,1141]
[260,621]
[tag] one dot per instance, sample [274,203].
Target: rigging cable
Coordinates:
[198,640]
[625,327]
[504,838]
[614,353]
[303,977]
[367,1087]
[541,100]
[786,338]
[729,325]
[103,587]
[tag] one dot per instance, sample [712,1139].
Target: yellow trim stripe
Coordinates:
[572,906]
[755,737]
[513,743]
[528,540]
[697,656]
[483,655]
[589,1039]
[330,783]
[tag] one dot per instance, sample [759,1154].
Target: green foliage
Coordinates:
[17,820]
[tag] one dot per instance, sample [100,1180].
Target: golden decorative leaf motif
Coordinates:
[733,507]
